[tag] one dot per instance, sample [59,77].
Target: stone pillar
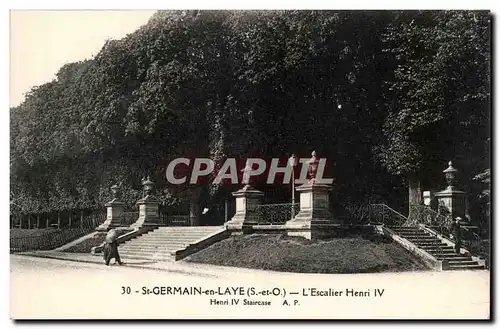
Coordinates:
[452,199]
[247,200]
[115,210]
[314,219]
[148,208]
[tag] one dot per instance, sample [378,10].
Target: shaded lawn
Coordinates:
[43,239]
[24,232]
[86,245]
[294,254]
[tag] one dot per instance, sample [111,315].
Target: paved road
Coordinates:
[48,288]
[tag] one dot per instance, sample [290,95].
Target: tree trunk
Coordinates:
[414,193]
[194,213]
[70,218]
[37,221]
[58,220]
[81,219]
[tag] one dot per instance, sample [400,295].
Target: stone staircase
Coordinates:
[438,249]
[162,243]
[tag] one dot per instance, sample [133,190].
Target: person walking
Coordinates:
[457,234]
[111,248]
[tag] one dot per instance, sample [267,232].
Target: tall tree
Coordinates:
[439,97]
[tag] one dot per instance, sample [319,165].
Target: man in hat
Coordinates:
[111,248]
[457,234]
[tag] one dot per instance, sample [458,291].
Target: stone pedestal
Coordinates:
[314,219]
[114,215]
[115,210]
[247,200]
[148,213]
[452,199]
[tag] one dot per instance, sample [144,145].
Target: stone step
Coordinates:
[158,243]
[420,237]
[415,235]
[148,254]
[442,253]
[162,243]
[153,248]
[446,256]
[436,246]
[187,233]
[405,233]
[466,267]
[159,231]
[172,237]
[162,257]
[431,244]
[453,257]
[463,262]
[188,229]
[149,249]
[409,231]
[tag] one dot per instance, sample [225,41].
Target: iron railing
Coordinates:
[443,224]
[174,220]
[425,215]
[54,234]
[276,214]
[129,218]
[369,214]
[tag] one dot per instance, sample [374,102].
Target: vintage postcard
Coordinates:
[250,164]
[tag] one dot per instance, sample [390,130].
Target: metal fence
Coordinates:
[51,230]
[129,218]
[425,215]
[276,214]
[59,220]
[369,214]
[174,220]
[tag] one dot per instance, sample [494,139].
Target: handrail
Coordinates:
[432,218]
[391,209]
[402,219]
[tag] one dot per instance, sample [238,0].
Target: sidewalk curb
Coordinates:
[56,257]
[194,272]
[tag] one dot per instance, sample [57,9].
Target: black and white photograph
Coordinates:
[202,164]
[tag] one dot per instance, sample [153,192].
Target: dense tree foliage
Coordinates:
[383,95]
